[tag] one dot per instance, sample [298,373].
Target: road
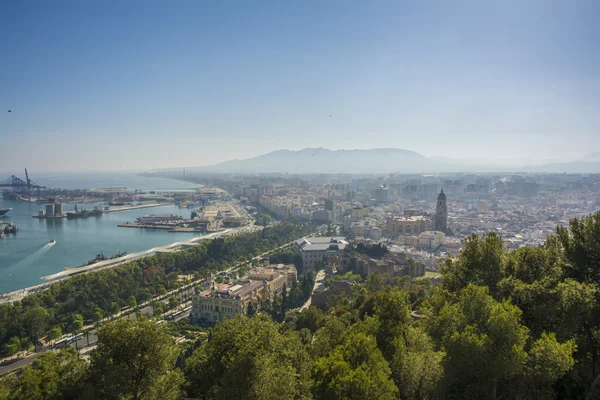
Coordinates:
[185,292]
[21,362]
[319,283]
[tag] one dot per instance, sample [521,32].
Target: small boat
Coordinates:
[52,241]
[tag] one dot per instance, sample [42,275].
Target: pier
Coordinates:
[135,207]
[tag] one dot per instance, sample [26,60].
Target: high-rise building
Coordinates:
[441,213]
[329,204]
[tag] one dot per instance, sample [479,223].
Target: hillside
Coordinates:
[320,160]
[383,160]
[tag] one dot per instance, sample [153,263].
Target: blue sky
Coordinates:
[149,84]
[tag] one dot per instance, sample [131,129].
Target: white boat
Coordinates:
[5,211]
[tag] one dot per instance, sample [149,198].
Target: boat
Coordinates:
[10,195]
[84,213]
[10,228]
[99,257]
[154,218]
[5,211]
[52,241]
[119,255]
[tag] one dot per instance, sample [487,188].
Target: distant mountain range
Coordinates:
[320,160]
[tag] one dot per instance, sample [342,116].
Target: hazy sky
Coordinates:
[148,84]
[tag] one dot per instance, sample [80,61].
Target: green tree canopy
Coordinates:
[135,359]
[55,375]
[354,370]
[247,358]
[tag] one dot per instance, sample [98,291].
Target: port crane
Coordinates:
[22,186]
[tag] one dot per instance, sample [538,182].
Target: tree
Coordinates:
[54,333]
[249,358]
[309,318]
[375,282]
[484,342]
[135,359]
[158,308]
[251,310]
[98,315]
[284,303]
[354,370]
[480,263]
[132,302]
[26,343]
[173,302]
[36,322]
[416,367]
[114,308]
[392,310]
[13,345]
[55,375]
[77,323]
[548,360]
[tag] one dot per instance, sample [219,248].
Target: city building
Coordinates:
[381,194]
[400,226]
[441,213]
[431,240]
[358,213]
[313,249]
[218,302]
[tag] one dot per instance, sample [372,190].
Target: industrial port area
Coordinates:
[206,212]
[211,217]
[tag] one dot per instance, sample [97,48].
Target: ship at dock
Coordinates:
[99,257]
[94,212]
[156,219]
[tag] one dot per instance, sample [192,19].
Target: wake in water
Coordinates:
[33,257]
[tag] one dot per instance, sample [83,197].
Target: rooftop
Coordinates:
[335,243]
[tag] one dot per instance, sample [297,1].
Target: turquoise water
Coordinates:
[27,256]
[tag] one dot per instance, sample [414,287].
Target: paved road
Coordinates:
[184,292]
[19,363]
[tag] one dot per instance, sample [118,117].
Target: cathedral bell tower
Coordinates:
[441,213]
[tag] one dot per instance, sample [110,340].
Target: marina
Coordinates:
[29,255]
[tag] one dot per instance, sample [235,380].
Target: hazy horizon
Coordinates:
[150,85]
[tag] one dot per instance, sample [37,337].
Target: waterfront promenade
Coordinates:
[18,295]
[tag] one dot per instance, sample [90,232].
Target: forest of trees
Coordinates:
[103,293]
[520,324]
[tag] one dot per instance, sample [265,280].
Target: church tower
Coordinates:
[441,213]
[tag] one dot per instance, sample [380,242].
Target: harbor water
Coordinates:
[29,255]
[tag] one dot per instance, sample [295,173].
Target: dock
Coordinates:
[127,208]
[167,227]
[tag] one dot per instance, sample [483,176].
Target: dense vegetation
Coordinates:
[523,324]
[134,360]
[374,250]
[90,296]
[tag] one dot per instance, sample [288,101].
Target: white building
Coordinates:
[313,249]
[431,240]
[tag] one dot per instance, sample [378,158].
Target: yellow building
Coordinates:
[415,225]
[224,301]
[412,241]
[359,213]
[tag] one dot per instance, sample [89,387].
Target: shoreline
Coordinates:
[19,294]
